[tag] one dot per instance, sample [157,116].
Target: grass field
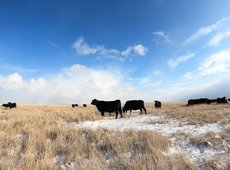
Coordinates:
[46,137]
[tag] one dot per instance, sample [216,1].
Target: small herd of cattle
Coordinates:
[9,105]
[221,100]
[115,106]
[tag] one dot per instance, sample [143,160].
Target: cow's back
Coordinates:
[134,104]
[109,106]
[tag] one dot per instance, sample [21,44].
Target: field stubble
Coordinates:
[42,137]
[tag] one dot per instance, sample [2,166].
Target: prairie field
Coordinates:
[174,137]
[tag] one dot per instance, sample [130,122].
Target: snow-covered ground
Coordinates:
[180,133]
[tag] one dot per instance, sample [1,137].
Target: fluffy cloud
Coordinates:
[83,48]
[81,84]
[175,62]
[140,49]
[77,83]
[161,37]
[203,31]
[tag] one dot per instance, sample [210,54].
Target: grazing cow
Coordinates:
[10,105]
[221,100]
[108,106]
[84,105]
[134,105]
[157,104]
[197,101]
[74,105]
[229,99]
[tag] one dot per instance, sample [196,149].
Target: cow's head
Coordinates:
[124,109]
[94,102]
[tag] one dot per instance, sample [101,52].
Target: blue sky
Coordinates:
[55,51]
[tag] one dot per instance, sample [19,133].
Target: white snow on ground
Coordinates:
[179,133]
[144,123]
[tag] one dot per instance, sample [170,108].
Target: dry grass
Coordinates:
[41,137]
[197,114]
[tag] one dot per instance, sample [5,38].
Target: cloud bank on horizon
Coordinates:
[71,56]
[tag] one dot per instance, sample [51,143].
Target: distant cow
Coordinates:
[84,105]
[229,99]
[221,100]
[157,104]
[197,101]
[108,106]
[74,105]
[9,105]
[134,105]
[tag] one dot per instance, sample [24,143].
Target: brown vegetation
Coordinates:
[43,137]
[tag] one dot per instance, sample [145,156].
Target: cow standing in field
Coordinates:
[84,105]
[9,105]
[198,101]
[157,104]
[134,105]
[108,106]
[221,100]
[74,105]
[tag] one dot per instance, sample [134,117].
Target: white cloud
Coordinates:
[181,59]
[214,64]
[217,63]
[161,37]
[83,48]
[140,49]
[203,31]
[77,83]
[11,82]
[218,38]
[188,90]
[80,84]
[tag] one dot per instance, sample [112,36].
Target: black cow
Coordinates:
[84,105]
[198,101]
[10,105]
[108,106]
[221,100]
[229,99]
[157,104]
[134,105]
[74,105]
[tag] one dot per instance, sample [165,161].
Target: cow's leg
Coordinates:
[103,113]
[141,111]
[144,110]
[120,113]
[116,114]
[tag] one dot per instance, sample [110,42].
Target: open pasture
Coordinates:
[62,137]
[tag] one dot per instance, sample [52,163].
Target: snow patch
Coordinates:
[180,133]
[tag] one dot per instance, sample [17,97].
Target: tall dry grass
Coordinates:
[42,137]
[197,114]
